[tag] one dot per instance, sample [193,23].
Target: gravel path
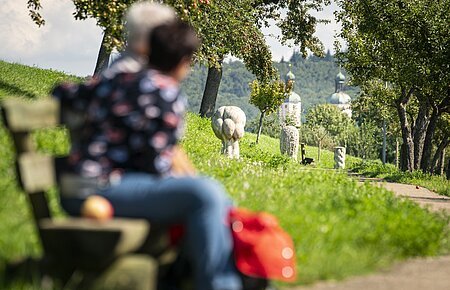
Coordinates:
[414,274]
[420,195]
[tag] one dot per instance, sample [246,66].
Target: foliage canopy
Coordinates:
[404,43]
[225,26]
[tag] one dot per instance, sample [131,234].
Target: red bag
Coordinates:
[261,247]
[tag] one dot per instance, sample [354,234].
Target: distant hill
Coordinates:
[314,83]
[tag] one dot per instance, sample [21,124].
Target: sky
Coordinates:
[69,45]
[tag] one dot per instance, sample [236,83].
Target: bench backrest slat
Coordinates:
[27,116]
[35,170]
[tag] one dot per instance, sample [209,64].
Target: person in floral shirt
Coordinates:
[131,124]
[125,149]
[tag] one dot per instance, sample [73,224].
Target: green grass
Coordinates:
[18,236]
[271,147]
[340,228]
[374,168]
[24,81]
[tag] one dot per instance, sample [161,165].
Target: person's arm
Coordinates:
[181,164]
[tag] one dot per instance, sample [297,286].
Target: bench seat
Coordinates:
[84,241]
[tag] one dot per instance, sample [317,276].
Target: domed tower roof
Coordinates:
[340,77]
[292,97]
[340,98]
[339,82]
[289,76]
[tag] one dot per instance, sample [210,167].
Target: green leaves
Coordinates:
[229,27]
[400,42]
[267,97]
[225,27]
[33,8]
[404,43]
[297,24]
[333,121]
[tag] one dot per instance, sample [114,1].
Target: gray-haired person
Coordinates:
[125,151]
[140,20]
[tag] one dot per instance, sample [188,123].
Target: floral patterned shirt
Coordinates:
[132,122]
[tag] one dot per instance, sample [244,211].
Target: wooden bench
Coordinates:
[78,253]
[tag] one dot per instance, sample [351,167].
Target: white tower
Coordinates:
[291,109]
[340,99]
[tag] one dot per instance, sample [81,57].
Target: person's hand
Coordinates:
[181,164]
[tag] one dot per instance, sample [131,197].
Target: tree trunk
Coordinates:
[442,163]
[318,150]
[448,170]
[407,155]
[383,153]
[211,90]
[428,142]
[403,164]
[260,126]
[435,166]
[102,58]
[420,130]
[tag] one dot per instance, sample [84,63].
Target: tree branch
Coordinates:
[406,96]
[444,106]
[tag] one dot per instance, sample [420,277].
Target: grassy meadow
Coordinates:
[340,228]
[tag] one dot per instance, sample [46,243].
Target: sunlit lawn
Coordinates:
[339,228]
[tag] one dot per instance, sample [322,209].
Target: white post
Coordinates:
[397,153]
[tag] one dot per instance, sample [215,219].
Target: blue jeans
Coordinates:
[200,204]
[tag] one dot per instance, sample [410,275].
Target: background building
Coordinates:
[291,109]
[340,99]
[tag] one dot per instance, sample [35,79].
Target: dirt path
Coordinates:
[420,195]
[414,274]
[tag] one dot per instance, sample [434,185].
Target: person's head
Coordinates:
[172,47]
[141,19]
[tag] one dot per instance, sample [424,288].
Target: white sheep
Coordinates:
[228,124]
[289,141]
